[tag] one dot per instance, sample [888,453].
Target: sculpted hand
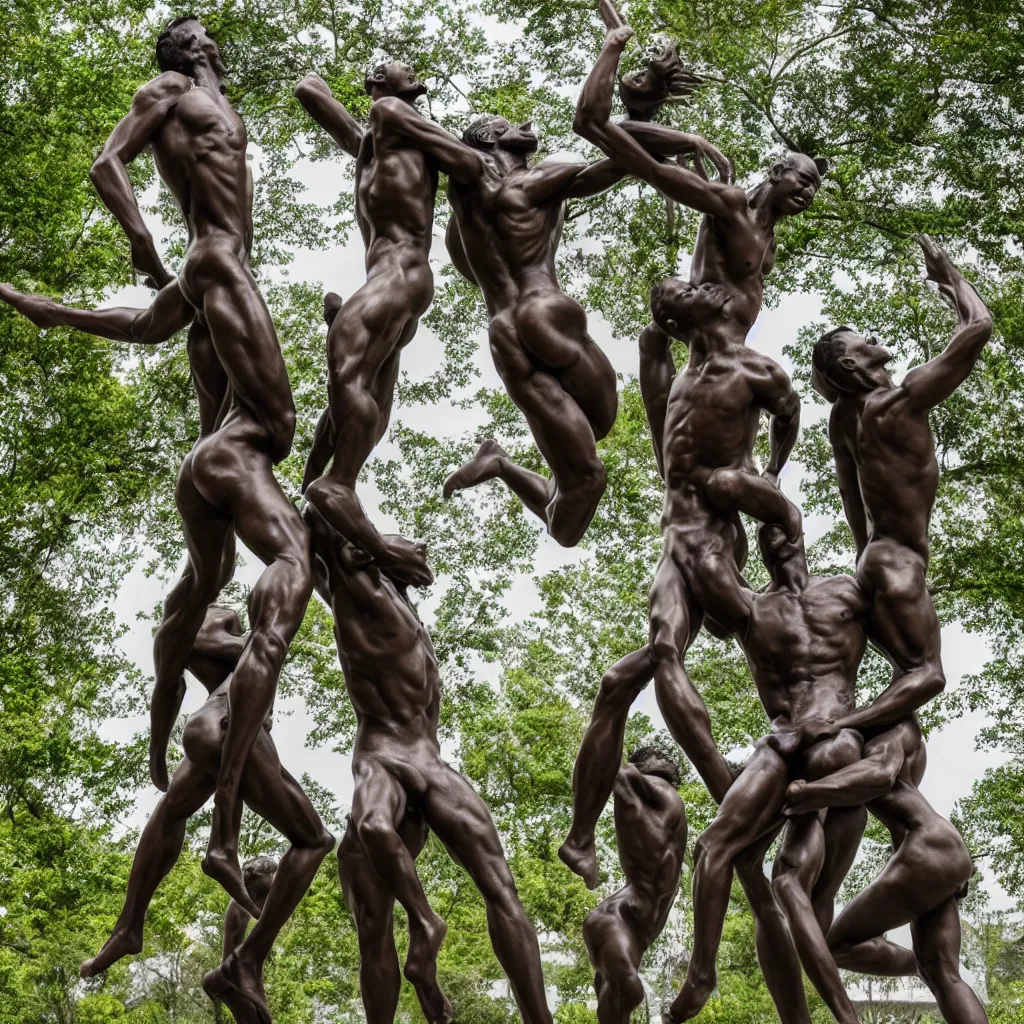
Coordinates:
[940,269]
[798,800]
[610,16]
[721,163]
[146,261]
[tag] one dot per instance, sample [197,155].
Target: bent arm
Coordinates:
[906,694]
[779,399]
[665,141]
[452,156]
[151,107]
[657,371]
[928,385]
[849,490]
[318,101]
[592,180]
[860,782]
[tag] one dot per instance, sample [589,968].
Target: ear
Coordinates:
[822,164]
[776,170]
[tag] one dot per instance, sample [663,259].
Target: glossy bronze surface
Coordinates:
[392,680]
[268,789]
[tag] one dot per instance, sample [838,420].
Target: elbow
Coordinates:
[307,87]
[100,171]
[585,125]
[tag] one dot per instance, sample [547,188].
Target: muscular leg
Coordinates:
[903,623]
[378,808]
[734,489]
[235,474]
[363,345]
[599,758]
[776,953]
[169,313]
[615,953]
[158,850]
[568,500]
[937,945]
[749,810]
[211,559]
[461,820]
[371,904]
[277,798]
[673,626]
[796,870]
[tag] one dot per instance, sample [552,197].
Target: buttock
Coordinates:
[213,261]
[829,755]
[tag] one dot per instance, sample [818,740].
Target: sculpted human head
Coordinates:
[845,363]
[394,79]
[490,132]
[185,46]
[258,874]
[677,307]
[792,183]
[663,77]
[653,759]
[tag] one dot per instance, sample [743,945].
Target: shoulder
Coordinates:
[846,588]
[169,85]
[391,108]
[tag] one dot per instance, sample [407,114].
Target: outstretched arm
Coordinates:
[151,107]
[662,140]
[657,371]
[318,101]
[928,385]
[593,122]
[452,156]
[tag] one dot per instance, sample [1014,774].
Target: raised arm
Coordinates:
[928,385]
[151,107]
[452,156]
[777,396]
[593,122]
[657,371]
[849,487]
[318,101]
[871,777]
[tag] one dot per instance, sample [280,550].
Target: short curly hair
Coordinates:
[478,134]
[257,867]
[657,760]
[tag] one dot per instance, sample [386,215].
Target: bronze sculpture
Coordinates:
[226,484]
[392,680]
[267,788]
[650,830]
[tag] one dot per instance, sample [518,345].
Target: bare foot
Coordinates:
[120,944]
[407,561]
[421,968]
[240,986]
[223,868]
[581,859]
[485,465]
[692,998]
[42,311]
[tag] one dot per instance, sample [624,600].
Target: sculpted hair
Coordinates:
[654,759]
[257,867]
[168,53]
[478,134]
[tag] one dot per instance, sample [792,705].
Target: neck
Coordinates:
[760,209]
[203,75]
[511,160]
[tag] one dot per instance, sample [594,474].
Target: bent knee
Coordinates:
[280,434]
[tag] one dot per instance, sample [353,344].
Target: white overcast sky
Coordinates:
[953,762]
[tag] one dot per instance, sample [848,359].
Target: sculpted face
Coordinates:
[395,79]
[852,364]
[794,182]
[196,46]
[516,138]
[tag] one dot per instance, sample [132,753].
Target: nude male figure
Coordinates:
[226,484]
[921,883]
[650,832]
[267,788]
[392,680]
[395,189]
[888,476]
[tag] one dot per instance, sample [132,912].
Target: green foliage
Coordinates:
[919,106]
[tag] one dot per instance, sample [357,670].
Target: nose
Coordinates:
[526,126]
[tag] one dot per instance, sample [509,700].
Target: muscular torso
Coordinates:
[199,153]
[897,471]
[804,648]
[506,242]
[737,254]
[395,191]
[712,416]
[388,660]
[651,845]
